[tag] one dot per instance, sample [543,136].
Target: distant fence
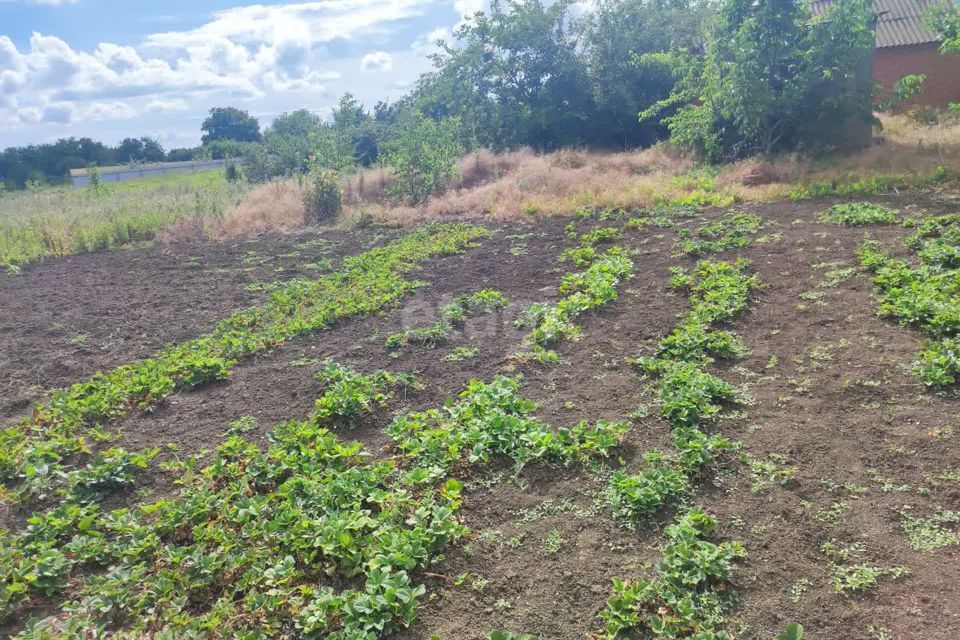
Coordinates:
[122,174]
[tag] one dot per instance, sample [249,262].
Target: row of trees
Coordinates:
[724,79]
[52,162]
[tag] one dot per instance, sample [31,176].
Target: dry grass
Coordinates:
[274,207]
[524,185]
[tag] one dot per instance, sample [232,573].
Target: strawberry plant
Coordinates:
[32,453]
[731,231]
[450,316]
[309,536]
[925,295]
[859,213]
[685,597]
[589,289]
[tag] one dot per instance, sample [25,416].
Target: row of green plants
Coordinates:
[924,294]
[859,214]
[845,187]
[582,291]
[311,537]
[449,317]
[733,230]
[33,454]
[686,596]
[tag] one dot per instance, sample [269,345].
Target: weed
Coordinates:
[862,577]
[554,542]
[928,534]
[462,353]
[798,588]
[831,514]
[241,425]
[848,575]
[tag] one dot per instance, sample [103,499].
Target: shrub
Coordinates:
[423,157]
[322,195]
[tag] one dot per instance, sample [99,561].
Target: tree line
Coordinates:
[722,79]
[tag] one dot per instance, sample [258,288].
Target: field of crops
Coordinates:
[674,423]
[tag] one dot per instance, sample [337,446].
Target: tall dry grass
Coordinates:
[274,207]
[522,184]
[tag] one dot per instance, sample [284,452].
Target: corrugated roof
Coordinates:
[899,23]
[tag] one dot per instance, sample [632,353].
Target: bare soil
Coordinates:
[833,398]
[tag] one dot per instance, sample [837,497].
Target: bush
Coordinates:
[322,195]
[423,157]
[774,78]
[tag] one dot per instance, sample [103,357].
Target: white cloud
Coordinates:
[427,43]
[242,54]
[376,62]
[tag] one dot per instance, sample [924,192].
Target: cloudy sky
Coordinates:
[109,69]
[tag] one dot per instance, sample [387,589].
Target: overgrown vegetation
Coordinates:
[41,222]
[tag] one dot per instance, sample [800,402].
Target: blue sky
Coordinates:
[110,69]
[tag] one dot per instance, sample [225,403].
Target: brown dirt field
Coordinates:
[850,415]
[67,318]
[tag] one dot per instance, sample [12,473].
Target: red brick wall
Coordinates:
[943,72]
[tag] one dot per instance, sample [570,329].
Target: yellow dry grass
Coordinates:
[522,184]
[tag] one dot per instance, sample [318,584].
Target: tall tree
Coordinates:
[773,78]
[230,123]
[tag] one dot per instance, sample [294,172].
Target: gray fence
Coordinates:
[122,174]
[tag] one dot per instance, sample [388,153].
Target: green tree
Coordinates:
[299,124]
[143,149]
[230,123]
[945,20]
[773,78]
[616,32]
[423,156]
[513,77]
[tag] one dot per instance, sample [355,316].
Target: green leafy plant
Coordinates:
[312,533]
[859,213]
[33,454]
[449,317]
[684,597]
[589,289]
[793,631]
[731,231]
[924,295]
[930,533]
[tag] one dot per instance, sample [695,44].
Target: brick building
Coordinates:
[905,46]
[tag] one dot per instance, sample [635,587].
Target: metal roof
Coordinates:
[899,22]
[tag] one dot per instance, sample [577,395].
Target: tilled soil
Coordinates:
[833,399]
